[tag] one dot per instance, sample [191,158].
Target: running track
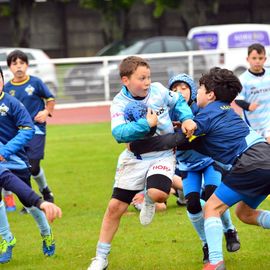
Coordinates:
[93,114]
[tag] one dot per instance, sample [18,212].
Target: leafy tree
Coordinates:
[191,12]
[115,16]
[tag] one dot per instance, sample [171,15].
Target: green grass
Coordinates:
[80,164]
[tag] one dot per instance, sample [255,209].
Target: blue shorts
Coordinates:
[231,197]
[193,180]
[35,148]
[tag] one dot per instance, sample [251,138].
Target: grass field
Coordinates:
[80,164]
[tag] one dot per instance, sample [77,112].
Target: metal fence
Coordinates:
[96,79]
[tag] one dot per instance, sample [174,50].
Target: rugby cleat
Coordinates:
[219,266]
[10,203]
[48,244]
[98,263]
[232,240]
[205,254]
[6,250]
[147,213]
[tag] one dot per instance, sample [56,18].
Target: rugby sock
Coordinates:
[214,233]
[263,219]
[4,225]
[40,219]
[41,179]
[197,221]
[103,249]
[227,221]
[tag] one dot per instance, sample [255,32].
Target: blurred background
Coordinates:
[75,45]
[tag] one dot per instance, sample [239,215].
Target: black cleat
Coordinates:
[47,195]
[205,254]
[232,240]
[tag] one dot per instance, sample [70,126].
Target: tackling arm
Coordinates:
[158,143]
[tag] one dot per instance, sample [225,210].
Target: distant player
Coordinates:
[254,98]
[39,102]
[153,170]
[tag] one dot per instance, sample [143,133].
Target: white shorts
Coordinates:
[131,173]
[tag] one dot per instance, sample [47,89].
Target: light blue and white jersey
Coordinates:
[160,100]
[256,89]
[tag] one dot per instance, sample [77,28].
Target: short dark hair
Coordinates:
[1,73]
[14,55]
[129,65]
[225,85]
[256,47]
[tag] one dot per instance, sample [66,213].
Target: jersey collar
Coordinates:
[20,83]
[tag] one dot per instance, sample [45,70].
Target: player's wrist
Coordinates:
[48,112]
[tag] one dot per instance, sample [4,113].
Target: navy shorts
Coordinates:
[35,148]
[231,197]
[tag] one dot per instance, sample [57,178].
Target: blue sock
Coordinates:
[227,221]
[4,225]
[40,219]
[264,219]
[103,249]
[197,221]
[214,233]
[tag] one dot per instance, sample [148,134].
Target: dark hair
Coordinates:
[14,55]
[129,65]
[256,47]
[225,85]
[1,73]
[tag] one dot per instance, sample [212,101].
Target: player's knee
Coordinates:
[158,187]
[116,209]
[193,202]
[157,195]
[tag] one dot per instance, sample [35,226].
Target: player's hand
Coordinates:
[176,124]
[138,198]
[41,116]
[253,106]
[52,211]
[151,117]
[2,158]
[188,127]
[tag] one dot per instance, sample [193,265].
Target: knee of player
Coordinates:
[157,195]
[193,202]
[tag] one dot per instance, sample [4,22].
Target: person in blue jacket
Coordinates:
[197,171]
[16,130]
[40,102]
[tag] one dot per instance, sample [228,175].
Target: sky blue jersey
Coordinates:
[32,93]
[160,100]
[256,89]
[16,129]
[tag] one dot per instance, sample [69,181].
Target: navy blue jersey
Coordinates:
[225,135]
[16,129]
[33,93]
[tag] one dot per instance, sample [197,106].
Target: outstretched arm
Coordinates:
[158,143]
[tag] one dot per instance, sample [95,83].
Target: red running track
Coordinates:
[81,115]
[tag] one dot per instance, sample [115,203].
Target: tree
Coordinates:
[191,12]
[115,16]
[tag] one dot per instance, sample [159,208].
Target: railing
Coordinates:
[96,79]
